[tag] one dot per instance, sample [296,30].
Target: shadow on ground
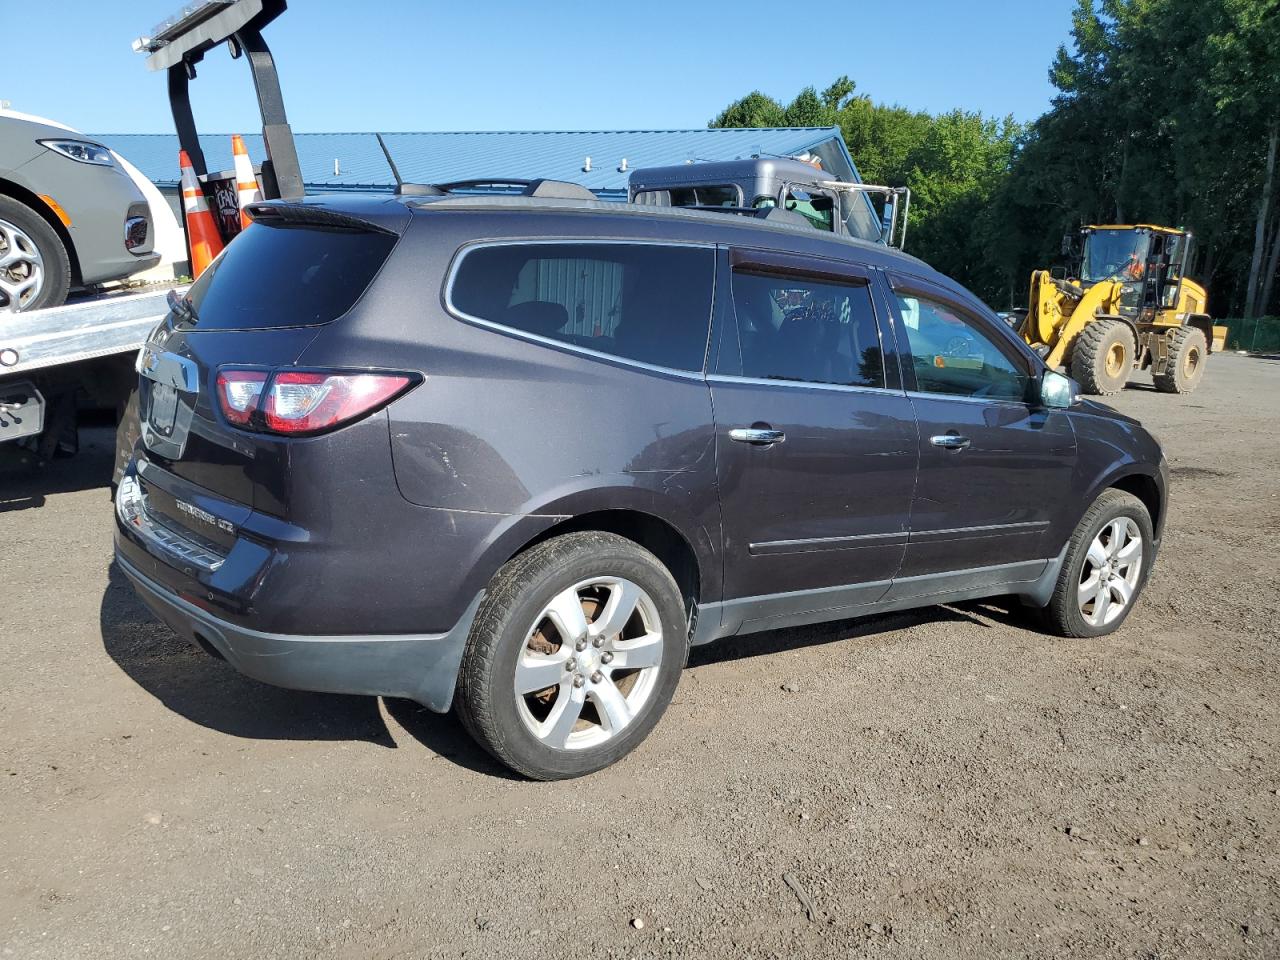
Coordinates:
[207,691]
[793,638]
[25,483]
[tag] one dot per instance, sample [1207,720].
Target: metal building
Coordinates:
[600,160]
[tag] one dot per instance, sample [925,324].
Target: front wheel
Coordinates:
[574,655]
[1102,357]
[35,271]
[1107,564]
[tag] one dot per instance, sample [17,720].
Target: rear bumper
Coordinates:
[422,667]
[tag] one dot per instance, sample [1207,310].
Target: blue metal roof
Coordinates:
[442,157]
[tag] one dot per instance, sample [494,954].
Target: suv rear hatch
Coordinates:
[298,268]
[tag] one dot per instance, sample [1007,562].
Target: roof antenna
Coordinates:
[395,172]
[406,189]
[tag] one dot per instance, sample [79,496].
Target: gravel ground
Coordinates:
[945,783]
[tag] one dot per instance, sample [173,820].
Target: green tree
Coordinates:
[753,110]
[1163,115]
[1166,111]
[951,162]
[1243,70]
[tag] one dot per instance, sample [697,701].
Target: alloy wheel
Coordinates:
[1111,570]
[589,663]
[21,268]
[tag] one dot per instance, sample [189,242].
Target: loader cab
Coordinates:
[1149,261]
[800,189]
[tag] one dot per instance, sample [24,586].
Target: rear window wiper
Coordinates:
[182,307]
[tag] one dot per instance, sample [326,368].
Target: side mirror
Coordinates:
[1056,390]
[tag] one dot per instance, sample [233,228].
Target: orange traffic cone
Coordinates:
[247,187]
[202,232]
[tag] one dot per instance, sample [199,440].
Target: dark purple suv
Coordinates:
[517,454]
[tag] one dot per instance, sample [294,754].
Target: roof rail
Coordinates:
[541,188]
[559,190]
[419,190]
[476,182]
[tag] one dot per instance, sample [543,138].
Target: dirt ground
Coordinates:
[940,784]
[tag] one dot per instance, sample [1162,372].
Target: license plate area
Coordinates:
[168,385]
[163,409]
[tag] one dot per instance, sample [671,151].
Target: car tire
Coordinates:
[1184,369]
[1100,581]
[1102,358]
[574,655]
[26,234]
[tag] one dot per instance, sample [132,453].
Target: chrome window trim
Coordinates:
[466,249]
[961,398]
[729,378]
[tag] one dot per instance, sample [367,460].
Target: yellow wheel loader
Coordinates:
[1130,308]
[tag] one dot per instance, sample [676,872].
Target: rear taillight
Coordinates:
[304,402]
[238,393]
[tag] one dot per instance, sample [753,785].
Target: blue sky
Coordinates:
[402,65]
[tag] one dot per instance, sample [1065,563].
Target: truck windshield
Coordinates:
[722,195]
[1115,255]
[817,208]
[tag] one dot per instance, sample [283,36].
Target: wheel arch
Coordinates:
[15,191]
[1133,329]
[1204,324]
[1146,488]
[659,536]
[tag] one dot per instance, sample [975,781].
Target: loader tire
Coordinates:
[1185,368]
[1103,357]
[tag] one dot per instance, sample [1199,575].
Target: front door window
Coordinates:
[952,355]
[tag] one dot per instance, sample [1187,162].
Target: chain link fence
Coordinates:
[1261,334]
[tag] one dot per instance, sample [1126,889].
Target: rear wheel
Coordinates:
[1185,367]
[1103,356]
[1106,567]
[34,269]
[574,655]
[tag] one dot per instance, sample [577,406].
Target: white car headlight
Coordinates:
[82,151]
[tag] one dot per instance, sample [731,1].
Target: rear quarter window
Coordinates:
[287,276]
[645,302]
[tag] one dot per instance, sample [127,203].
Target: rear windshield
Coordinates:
[286,276]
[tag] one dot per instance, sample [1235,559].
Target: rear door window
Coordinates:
[644,302]
[286,276]
[807,330]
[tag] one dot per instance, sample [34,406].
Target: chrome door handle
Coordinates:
[757,435]
[950,441]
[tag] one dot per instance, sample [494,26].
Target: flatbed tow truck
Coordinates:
[51,359]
